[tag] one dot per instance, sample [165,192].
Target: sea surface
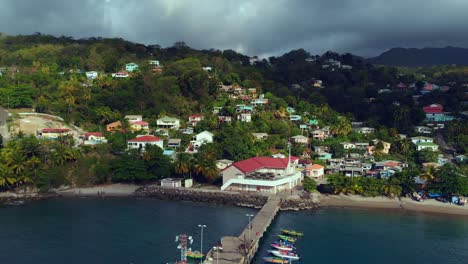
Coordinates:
[88,231]
[359,236]
[143,231]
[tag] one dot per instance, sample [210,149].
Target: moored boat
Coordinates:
[291,232]
[275,260]
[287,238]
[282,246]
[195,255]
[284,254]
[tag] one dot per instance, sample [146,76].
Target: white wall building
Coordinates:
[261,174]
[140,142]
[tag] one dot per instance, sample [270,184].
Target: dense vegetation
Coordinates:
[47,74]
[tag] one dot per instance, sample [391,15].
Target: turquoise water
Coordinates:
[359,236]
[110,231]
[142,231]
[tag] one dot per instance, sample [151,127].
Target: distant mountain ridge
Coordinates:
[424,57]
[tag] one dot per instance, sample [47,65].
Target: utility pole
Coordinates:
[201,241]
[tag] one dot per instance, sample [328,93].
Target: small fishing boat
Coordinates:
[291,232]
[287,238]
[282,242]
[284,254]
[195,255]
[275,260]
[282,246]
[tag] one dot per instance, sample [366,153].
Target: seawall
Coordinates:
[203,196]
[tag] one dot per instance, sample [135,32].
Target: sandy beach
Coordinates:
[428,206]
[113,190]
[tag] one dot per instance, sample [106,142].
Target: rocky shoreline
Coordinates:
[253,200]
[202,196]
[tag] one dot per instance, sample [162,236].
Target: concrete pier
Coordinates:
[242,249]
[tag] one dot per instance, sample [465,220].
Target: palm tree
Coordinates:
[429,175]
[5,179]
[183,164]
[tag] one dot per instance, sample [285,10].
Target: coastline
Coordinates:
[289,202]
[402,204]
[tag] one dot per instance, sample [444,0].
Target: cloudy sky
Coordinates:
[254,27]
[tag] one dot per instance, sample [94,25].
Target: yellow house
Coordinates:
[139,126]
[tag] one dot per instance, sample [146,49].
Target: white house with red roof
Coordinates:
[140,142]
[261,174]
[120,74]
[193,120]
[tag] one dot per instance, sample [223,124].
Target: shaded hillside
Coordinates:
[422,57]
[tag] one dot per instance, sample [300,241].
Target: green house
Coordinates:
[131,67]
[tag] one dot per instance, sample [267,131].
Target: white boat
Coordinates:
[282,247]
[284,254]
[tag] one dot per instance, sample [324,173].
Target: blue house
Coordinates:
[295,118]
[131,67]
[324,156]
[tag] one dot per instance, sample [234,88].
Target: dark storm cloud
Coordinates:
[263,27]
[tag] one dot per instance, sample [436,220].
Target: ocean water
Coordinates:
[358,236]
[83,231]
[143,231]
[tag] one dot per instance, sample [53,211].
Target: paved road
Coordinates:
[444,147]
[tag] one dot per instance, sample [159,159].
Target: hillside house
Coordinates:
[385,150]
[134,118]
[93,138]
[324,156]
[260,136]
[224,119]
[139,126]
[361,145]
[299,139]
[168,122]
[154,63]
[198,140]
[174,143]
[364,130]
[91,75]
[423,130]
[244,108]
[261,174]
[114,126]
[140,142]
[120,74]
[347,145]
[131,67]
[424,143]
[435,113]
[187,131]
[315,171]
[244,117]
[295,118]
[318,149]
[193,120]
[320,134]
[53,133]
